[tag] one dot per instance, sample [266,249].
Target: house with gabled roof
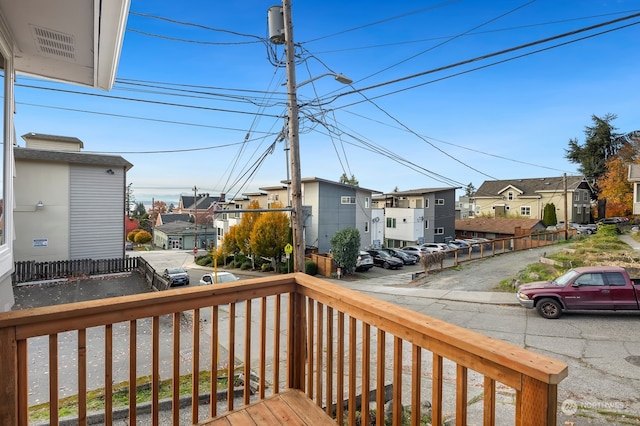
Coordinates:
[199,204]
[527,198]
[165,218]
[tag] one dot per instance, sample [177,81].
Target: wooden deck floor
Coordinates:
[289,408]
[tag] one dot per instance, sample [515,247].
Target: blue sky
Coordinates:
[199,99]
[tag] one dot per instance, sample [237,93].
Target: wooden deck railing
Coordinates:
[343,348]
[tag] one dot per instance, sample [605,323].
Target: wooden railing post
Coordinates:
[8,378]
[297,342]
[537,402]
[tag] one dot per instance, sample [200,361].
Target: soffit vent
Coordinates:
[54,43]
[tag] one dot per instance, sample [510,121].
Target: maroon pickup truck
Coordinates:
[586,288]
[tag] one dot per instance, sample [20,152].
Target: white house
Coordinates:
[68,204]
[69,41]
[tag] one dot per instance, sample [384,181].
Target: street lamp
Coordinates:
[339,77]
[294,142]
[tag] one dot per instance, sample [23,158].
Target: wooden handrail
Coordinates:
[326,349]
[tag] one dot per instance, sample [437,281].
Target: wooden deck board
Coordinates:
[288,408]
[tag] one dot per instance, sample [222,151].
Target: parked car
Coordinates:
[176,276]
[364,261]
[612,220]
[485,241]
[416,251]
[128,245]
[218,277]
[435,247]
[407,259]
[458,244]
[589,287]
[384,259]
[589,228]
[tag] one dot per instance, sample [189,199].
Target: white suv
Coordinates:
[364,261]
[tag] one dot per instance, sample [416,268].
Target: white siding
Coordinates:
[96,212]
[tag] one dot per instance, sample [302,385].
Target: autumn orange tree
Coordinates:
[245,228]
[159,207]
[229,244]
[615,187]
[270,235]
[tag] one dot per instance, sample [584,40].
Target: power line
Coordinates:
[474,33]
[501,52]
[172,104]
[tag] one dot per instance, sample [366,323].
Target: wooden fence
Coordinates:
[42,271]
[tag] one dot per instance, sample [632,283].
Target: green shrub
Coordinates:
[283,268]
[204,261]
[310,267]
[246,265]
[266,267]
[611,230]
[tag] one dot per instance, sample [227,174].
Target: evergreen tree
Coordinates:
[470,190]
[350,181]
[549,216]
[601,144]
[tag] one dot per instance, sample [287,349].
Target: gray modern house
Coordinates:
[329,207]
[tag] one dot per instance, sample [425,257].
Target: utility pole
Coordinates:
[294,142]
[195,222]
[566,211]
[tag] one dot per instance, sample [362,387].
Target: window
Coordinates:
[366,227]
[391,222]
[439,201]
[426,203]
[345,199]
[426,224]
[525,211]
[585,196]
[418,204]
[615,278]
[576,196]
[439,231]
[510,195]
[366,202]
[590,279]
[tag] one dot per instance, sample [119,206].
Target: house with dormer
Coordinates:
[527,198]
